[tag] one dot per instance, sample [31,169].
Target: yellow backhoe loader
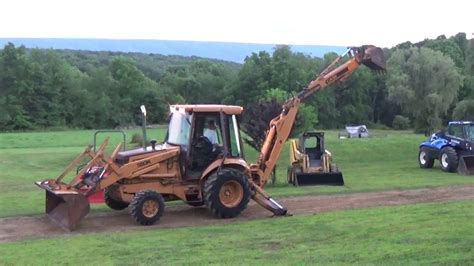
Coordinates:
[191,165]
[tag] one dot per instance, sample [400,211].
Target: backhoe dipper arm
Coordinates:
[280,126]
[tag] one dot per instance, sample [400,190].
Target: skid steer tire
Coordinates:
[290,174]
[113,203]
[448,159]
[424,160]
[147,207]
[296,170]
[226,193]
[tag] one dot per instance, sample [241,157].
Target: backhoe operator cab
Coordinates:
[204,133]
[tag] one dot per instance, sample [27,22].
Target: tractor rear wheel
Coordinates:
[449,159]
[113,203]
[424,160]
[226,193]
[147,207]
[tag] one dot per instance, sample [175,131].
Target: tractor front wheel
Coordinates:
[147,207]
[424,160]
[113,203]
[226,193]
[449,159]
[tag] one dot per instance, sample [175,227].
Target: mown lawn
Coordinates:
[386,161]
[421,234]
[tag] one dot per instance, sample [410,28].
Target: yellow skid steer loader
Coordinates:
[311,163]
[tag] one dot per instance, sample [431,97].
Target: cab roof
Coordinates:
[208,108]
[461,122]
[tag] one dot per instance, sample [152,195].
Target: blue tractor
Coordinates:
[453,147]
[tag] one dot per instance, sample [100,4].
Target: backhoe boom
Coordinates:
[280,126]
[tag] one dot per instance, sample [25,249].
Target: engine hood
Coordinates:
[124,156]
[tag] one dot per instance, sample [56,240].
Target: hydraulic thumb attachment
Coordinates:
[262,198]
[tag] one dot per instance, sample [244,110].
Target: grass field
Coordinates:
[419,234]
[434,233]
[385,162]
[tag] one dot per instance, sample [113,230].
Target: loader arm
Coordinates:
[280,126]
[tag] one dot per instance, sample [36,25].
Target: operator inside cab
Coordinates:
[210,132]
[206,142]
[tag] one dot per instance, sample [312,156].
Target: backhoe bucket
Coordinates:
[65,207]
[313,179]
[373,58]
[466,165]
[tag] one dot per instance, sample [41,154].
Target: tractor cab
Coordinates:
[463,130]
[204,133]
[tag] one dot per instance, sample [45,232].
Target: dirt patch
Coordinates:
[34,227]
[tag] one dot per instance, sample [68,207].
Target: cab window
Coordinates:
[456,131]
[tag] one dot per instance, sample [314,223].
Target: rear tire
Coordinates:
[448,159]
[113,203]
[147,207]
[226,193]
[423,159]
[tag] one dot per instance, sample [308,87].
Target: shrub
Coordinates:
[400,122]
[137,139]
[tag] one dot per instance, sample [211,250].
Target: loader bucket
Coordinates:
[313,179]
[66,208]
[373,58]
[466,165]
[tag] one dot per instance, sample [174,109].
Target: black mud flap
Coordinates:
[314,179]
[466,165]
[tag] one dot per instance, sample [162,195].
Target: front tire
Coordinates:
[226,193]
[147,207]
[449,159]
[113,203]
[423,159]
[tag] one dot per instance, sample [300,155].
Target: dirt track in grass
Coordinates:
[40,226]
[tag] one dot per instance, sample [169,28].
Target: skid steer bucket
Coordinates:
[313,179]
[374,58]
[466,165]
[64,206]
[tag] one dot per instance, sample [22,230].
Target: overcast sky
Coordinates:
[345,23]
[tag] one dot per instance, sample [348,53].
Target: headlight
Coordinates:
[467,145]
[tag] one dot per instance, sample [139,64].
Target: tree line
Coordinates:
[427,84]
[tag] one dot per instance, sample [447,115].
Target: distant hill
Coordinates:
[235,52]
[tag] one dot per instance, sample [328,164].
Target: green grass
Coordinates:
[421,234]
[387,161]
